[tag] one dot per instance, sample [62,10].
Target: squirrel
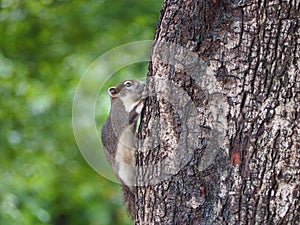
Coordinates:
[118,134]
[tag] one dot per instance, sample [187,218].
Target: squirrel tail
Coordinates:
[129,199]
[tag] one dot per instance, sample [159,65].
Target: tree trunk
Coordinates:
[219,136]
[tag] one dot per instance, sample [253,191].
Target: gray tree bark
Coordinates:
[219,136]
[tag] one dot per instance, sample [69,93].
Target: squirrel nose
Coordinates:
[142,84]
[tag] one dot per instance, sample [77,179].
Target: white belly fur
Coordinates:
[125,157]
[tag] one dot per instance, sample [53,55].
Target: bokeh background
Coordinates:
[45,47]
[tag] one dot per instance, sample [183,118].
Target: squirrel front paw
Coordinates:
[140,105]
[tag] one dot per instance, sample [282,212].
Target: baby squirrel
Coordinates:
[118,134]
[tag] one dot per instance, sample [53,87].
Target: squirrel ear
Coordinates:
[112,91]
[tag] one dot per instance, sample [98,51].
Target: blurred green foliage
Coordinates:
[45,47]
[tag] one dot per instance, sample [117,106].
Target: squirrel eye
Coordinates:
[128,83]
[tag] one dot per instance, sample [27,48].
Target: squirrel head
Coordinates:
[128,91]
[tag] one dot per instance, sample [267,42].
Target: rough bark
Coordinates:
[219,136]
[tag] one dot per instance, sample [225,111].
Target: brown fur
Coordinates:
[118,134]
